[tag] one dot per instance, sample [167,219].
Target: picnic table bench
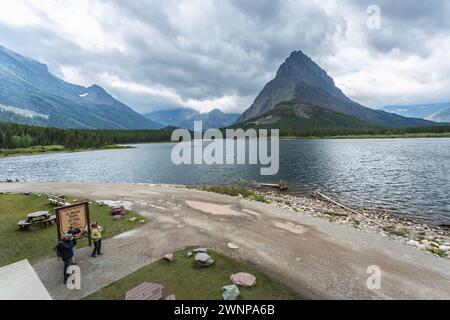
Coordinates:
[34,218]
[57,201]
[145,291]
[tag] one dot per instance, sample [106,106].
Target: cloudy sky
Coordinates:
[205,54]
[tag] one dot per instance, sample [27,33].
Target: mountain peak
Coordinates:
[298,66]
[96,88]
[98,95]
[298,55]
[29,88]
[299,79]
[216,111]
[185,118]
[295,61]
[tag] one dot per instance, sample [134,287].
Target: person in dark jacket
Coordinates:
[66,251]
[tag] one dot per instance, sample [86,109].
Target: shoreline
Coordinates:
[427,237]
[377,137]
[317,258]
[38,150]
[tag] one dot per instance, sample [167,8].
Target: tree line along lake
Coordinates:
[405,176]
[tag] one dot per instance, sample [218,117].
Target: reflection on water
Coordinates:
[409,176]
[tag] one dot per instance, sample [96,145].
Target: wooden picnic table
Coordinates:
[145,291]
[39,217]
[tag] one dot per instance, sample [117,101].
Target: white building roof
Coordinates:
[19,281]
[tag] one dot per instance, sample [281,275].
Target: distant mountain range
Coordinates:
[304,86]
[30,94]
[437,112]
[185,117]
[301,96]
[440,116]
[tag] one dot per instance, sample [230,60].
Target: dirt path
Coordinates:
[317,258]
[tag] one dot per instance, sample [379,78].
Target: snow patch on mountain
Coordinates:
[26,113]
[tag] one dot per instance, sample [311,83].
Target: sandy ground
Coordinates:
[317,258]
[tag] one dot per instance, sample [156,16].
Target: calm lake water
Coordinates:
[407,176]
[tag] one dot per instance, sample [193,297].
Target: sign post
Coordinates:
[73,216]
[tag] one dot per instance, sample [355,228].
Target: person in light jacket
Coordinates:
[96,236]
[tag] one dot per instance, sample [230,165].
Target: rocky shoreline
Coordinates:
[433,239]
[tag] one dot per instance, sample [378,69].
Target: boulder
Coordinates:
[230,292]
[233,246]
[413,243]
[118,209]
[203,260]
[168,257]
[243,279]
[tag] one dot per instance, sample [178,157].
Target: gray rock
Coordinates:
[189,254]
[203,260]
[434,244]
[232,246]
[198,250]
[413,243]
[230,292]
[169,257]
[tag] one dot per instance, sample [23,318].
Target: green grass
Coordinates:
[16,245]
[356,223]
[437,251]
[187,282]
[401,232]
[235,191]
[51,149]
[31,150]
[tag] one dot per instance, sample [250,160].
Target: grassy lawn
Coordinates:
[51,149]
[187,282]
[16,245]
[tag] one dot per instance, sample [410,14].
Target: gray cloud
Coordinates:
[407,25]
[206,54]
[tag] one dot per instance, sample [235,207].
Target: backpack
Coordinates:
[58,250]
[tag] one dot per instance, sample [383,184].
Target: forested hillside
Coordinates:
[23,136]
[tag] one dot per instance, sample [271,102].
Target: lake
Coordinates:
[406,176]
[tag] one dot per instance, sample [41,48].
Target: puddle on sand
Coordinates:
[214,209]
[253,213]
[127,234]
[291,227]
